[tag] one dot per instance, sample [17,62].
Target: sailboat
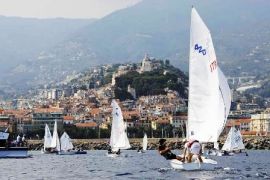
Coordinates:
[118,139]
[144,144]
[47,140]
[66,146]
[209,92]
[55,142]
[234,141]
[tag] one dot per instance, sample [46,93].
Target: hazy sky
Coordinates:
[62,8]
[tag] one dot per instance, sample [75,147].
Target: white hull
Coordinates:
[113,155]
[14,152]
[207,164]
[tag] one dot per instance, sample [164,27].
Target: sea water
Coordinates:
[130,165]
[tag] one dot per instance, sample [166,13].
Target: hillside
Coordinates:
[161,28]
[152,83]
[264,90]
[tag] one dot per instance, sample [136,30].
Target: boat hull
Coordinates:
[14,152]
[207,164]
[66,152]
[48,151]
[113,155]
[80,152]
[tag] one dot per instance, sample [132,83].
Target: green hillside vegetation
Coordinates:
[152,83]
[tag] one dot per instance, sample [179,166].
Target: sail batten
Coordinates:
[209,92]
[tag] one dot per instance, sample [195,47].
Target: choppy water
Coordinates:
[132,165]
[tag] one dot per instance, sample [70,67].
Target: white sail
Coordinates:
[239,140]
[55,139]
[208,105]
[47,137]
[145,142]
[118,139]
[127,144]
[234,141]
[66,143]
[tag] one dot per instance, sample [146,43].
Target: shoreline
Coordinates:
[254,143]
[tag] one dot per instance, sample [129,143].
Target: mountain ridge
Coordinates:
[161,28]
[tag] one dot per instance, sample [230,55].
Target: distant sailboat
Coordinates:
[209,93]
[47,139]
[55,143]
[118,139]
[143,148]
[234,141]
[145,142]
[66,146]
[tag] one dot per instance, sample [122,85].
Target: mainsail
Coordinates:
[119,139]
[66,143]
[47,137]
[145,142]
[209,93]
[234,141]
[55,139]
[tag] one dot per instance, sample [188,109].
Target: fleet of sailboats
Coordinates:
[62,146]
[208,106]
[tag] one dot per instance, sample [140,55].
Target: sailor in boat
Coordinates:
[192,147]
[110,151]
[140,149]
[226,153]
[166,151]
[19,141]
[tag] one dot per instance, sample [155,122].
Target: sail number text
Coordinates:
[213,65]
[200,49]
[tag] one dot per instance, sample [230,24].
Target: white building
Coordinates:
[132,91]
[146,65]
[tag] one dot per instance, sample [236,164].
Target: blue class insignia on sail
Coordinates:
[200,49]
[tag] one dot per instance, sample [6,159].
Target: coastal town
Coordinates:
[81,106]
[134,89]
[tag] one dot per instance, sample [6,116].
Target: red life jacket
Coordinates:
[191,142]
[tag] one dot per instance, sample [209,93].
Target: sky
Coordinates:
[62,8]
